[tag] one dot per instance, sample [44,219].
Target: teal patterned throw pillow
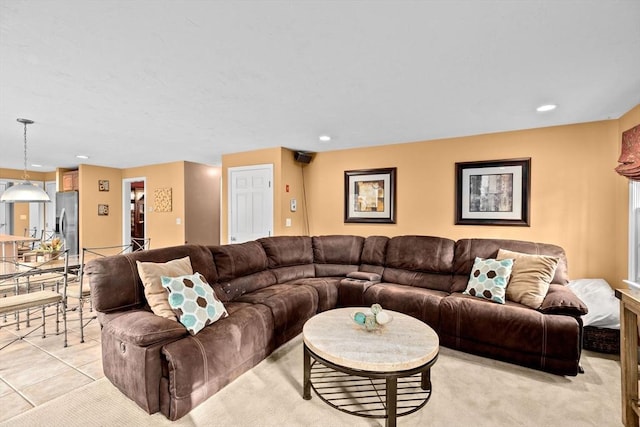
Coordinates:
[489,279]
[193,301]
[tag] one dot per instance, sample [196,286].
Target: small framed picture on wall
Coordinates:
[103,210]
[103,185]
[370,196]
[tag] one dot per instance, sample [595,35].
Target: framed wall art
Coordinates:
[103,185]
[162,199]
[370,196]
[493,192]
[103,210]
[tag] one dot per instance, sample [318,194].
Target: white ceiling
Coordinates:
[132,83]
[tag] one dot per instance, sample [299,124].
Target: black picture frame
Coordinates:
[370,196]
[495,192]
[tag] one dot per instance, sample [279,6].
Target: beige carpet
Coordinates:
[467,391]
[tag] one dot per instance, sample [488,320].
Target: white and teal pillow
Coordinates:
[489,279]
[193,301]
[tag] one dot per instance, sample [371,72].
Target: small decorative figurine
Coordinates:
[374,320]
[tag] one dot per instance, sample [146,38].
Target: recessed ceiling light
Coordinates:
[35,165]
[82,156]
[546,107]
[324,138]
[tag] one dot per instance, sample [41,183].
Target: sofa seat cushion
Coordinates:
[511,326]
[234,288]
[200,365]
[420,303]
[291,305]
[293,272]
[335,270]
[327,289]
[141,327]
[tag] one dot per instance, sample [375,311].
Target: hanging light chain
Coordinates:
[25,122]
[25,176]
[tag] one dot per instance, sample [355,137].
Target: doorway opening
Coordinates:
[134,228]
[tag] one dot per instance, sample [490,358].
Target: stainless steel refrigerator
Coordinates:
[67,219]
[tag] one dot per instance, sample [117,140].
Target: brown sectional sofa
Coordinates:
[271,286]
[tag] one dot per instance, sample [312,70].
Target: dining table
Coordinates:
[10,268]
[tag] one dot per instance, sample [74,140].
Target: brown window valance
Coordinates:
[630,155]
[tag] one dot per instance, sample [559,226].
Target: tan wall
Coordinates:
[574,190]
[17,174]
[291,176]
[162,227]
[99,230]
[202,198]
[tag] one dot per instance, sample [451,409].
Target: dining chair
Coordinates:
[14,273]
[140,244]
[27,246]
[80,290]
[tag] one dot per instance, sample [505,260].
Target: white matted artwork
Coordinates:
[162,199]
[493,192]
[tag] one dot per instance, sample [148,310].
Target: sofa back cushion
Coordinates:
[289,257]
[374,251]
[116,285]
[336,255]
[238,260]
[466,250]
[422,261]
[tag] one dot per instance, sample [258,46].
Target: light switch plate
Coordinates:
[294,205]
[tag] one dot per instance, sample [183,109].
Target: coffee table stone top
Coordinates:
[405,343]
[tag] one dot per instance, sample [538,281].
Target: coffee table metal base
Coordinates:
[367,394]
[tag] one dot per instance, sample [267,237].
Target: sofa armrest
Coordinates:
[366,276]
[562,300]
[142,328]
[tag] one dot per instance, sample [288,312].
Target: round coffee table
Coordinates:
[383,373]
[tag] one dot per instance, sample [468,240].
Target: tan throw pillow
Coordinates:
[157,296]
[530,277]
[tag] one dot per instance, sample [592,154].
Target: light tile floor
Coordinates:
[34,370]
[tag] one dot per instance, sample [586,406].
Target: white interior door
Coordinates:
[250,203]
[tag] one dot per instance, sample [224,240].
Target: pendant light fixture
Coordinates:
[25,191]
